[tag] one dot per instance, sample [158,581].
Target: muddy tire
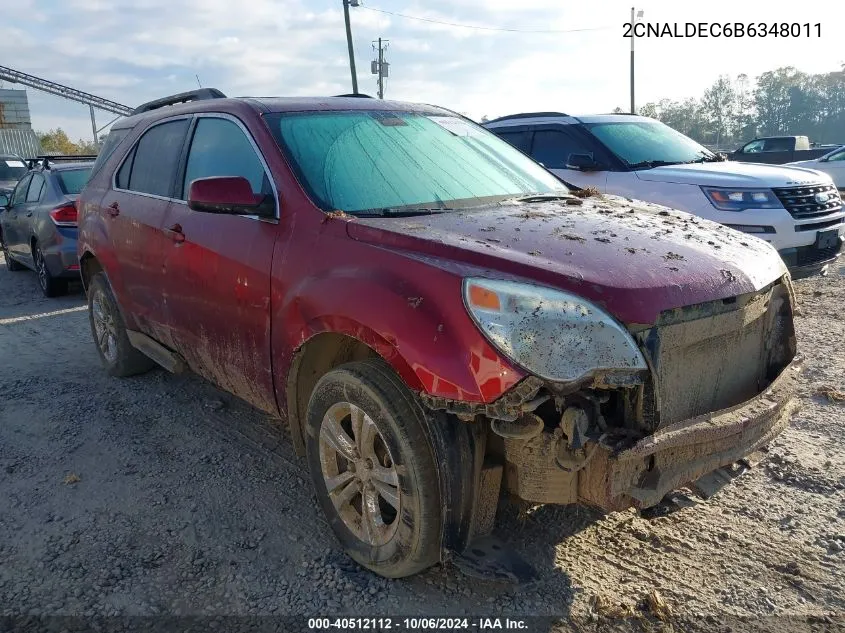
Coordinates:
[11,264]
[109,332]
[373,468]
[50,286]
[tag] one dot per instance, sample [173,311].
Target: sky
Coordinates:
[131,51]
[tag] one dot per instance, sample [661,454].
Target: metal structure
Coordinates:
[346,5]
[92,101]
[634,16]
[379,66]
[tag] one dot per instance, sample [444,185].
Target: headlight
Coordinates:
[740,199]
[550,333]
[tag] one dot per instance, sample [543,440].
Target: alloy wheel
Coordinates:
[360,474]
[41,269]
[104,327]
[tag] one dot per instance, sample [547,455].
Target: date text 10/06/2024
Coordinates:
[418,624]
[722,29]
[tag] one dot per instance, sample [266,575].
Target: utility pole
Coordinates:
[346,5]
[381,67]
[94,126]
[634,16]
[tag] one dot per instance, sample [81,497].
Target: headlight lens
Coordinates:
[550,333]
[740,199]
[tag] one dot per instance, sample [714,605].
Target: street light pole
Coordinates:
[633,109]
[346,4]
[634,16]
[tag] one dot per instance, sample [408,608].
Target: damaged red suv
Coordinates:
[436,317]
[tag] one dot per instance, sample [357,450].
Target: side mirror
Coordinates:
[4,200]
[582,162]
[228,195]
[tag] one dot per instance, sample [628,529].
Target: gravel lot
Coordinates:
[163,495]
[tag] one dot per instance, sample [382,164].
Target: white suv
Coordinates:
[799,211]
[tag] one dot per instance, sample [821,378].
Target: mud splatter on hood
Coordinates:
[636,259]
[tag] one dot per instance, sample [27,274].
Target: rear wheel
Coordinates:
[116,352]
[50,286]
[11,264]
[373,468]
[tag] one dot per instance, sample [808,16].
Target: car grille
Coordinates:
[715,355]
[801,202]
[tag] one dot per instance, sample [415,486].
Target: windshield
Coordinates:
[11,169]
[72,181]
[639,143]
[364,161]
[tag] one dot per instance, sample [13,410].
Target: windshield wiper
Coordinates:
[401,212]
[651,164]
[541,197]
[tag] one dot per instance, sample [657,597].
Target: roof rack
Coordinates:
[527,115]
[46,160]
[359,95]
[183,97]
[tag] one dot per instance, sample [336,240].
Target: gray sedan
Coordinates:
[38,227]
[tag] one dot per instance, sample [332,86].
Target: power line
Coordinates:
[482,28]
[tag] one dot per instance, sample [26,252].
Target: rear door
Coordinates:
[28,216]
[553,145]
[217,268]
[135,209]
[11,223]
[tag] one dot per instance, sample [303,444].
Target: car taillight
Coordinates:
[65,215]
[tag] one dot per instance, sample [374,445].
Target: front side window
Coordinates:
[36,188]
[643,143]
[369,161]
[220,148]
[72,181]
[553,148]
[156,157]
[520,140]
[19,196]
[753,147]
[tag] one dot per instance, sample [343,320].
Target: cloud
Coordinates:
[132,51]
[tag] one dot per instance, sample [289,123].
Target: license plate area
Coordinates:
[827,239]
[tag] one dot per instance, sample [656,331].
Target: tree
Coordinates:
[719,107]
[57,141]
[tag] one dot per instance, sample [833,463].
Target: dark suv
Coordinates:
[434,315]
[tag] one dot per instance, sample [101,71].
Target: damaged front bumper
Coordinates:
[677,455]
[640,475]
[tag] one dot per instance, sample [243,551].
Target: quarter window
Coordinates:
[155,159]
[220,148]
[36,188]
[20,191]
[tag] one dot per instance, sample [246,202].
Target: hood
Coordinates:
[733,174]
[635,259]
[804,163]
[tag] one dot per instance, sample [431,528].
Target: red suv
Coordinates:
[437,318]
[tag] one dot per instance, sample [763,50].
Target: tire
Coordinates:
[11,264]
[109,332]
[50,286]
[390,434]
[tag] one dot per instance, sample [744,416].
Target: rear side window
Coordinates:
[156,158]
[220,148]
[112,141]
[36,188]
[520,140]
[72,181]
[779,145]
[553,147]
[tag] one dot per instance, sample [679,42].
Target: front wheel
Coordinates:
[374,470]
[113,346]
[50,286]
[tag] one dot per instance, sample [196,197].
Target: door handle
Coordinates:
[114,209]
[176,234]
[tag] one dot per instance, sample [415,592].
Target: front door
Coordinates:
[554,146]
[217,269]
[11,223]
